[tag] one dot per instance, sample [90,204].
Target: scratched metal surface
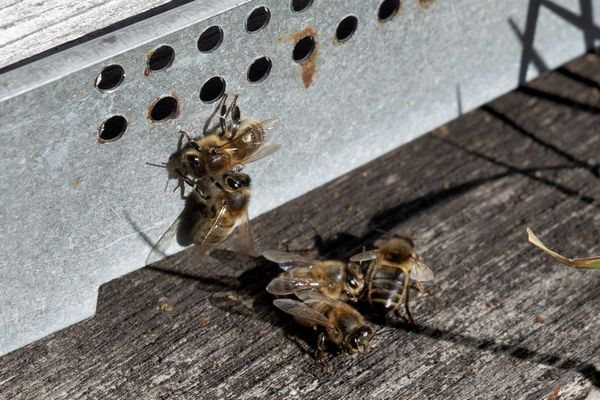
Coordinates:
[76,213]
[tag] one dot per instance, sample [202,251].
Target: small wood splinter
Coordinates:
[577,263]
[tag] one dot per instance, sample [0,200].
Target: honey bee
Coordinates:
[387,276]
[334,279]
[335,321]
[217,212]
[238,142]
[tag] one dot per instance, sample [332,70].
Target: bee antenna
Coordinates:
[164,165]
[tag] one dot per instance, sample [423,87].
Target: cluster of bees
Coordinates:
[318,294]
[212,167]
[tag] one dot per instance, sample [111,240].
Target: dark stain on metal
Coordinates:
[426,3]
[308,66]
[110,39]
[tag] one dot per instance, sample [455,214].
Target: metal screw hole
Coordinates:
[346,28]
[301,5]
[303,48]
[161,58]
[110,78]
[112,129]
[210,39]
[258,19]
[164,108]
[259,70]
[388,10]
[212,89]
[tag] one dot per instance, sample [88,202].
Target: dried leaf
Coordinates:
[579,263]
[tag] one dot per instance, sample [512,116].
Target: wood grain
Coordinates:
[500,321]
[32,27]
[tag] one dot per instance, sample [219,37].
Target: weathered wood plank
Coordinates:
[501,320]
[31,27]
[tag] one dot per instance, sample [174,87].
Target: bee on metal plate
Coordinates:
[235,143]
[336,321]
[222,208]
[387,277]
[334,279]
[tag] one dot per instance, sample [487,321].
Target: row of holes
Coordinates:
[214,88]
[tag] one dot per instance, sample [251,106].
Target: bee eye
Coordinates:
[352,283]
[193,160]
[232,183]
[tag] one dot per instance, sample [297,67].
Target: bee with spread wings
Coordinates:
[334,279]
[388,275]
[237,142]
[335,321]
[222,207]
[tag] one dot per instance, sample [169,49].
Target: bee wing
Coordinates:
[287,260]
[419,271]
[303,313]
[262,152]
[365,256]
[256,135]
[204,243]
[160,247]
[284,285]
[244,242]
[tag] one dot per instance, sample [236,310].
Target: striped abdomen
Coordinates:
[384,287]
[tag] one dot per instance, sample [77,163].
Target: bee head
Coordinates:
[192,162]
[355,282]
[358,341]
[235,180]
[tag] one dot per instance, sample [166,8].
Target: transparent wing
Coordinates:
[287,260]
[206,240]
[244,242]
[419,271]
[262,152]
[255,135]
[160,247]
[365,256]
[284,285]
[303,313]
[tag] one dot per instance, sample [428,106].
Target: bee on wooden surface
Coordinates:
[235,143]
[387,277]
[336,321]
[221,208]
[334,279]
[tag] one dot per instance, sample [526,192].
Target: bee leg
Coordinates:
[420,287]
[180,185]
[222,115]
[236,115]
[320,348]
[406,296]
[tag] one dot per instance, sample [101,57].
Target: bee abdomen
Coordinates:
[385,289]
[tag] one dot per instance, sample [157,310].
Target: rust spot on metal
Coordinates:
[77,182]
[426,3]
[146,71]
[308,66]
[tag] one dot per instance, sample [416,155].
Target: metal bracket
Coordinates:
[350,80]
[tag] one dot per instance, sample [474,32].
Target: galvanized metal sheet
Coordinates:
[73,209]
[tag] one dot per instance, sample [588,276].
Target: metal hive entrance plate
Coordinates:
[73,208]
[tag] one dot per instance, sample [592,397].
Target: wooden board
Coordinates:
[31,29]
[500,321]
